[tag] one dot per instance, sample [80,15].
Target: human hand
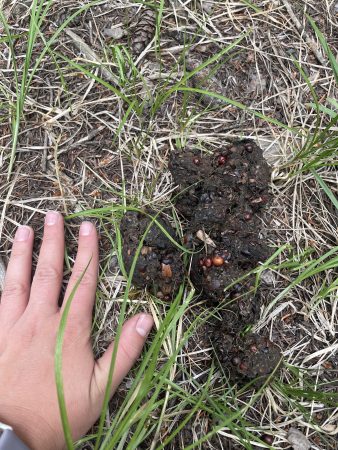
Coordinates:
[29,320]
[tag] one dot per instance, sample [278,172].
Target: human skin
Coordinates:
[29,320]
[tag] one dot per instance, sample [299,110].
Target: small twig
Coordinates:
[6,202]
[309,40]
[86,138]
[57,170]
[44,154]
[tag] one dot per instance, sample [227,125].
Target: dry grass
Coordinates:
[79,147]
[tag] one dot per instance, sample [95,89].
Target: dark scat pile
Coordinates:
[223,198]
[159,266]
[247,358]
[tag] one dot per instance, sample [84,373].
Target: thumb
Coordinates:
[132,339]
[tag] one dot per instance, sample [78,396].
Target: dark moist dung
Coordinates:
[159,266]
[247,358]
[223,194]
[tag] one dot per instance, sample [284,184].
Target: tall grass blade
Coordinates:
[58,364]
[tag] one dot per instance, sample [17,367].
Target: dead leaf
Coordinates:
[298,440]
[202,236]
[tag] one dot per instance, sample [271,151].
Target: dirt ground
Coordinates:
[115,115]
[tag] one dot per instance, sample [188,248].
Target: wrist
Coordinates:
[9,440]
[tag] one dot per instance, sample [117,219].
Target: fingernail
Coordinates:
[22,233]
[86,228]
[144,325]
[52,218]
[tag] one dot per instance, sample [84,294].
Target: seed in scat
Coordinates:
[243,367]
[166,271]
[208,262]
[217,261]
[221,160]
[145,250]
[268,439]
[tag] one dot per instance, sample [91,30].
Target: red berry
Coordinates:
[221,160]
[268,439]
[201,262]
[196,161]
[254,349]
[217,261]
[247,216]
[207,262]
[243,367]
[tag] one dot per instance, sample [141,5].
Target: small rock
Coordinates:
[297,439]
[207,6]
[113,264]
[115,33]
[268,277]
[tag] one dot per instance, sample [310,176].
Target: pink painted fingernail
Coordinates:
[86,228]
[52,218]
[22,233]
[144,325]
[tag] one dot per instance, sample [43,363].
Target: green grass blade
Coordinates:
[58,364]
[326,189]
[237,105]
